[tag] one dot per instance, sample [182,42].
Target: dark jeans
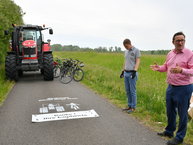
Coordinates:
[177,100]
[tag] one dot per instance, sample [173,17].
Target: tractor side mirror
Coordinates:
[6,32]
[48,40]
[51,31]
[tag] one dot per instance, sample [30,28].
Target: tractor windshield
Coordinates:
[30,34]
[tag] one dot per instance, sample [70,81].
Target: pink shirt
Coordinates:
[184,59]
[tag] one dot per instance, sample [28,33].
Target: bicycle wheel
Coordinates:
[66,77]
[78,75]
[56,72]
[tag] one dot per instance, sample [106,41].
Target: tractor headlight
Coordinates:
[33,46]
[30,47]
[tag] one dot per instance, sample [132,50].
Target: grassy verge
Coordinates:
[102,72]
[5,86]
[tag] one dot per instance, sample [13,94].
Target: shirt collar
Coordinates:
[182,51]
[131,49]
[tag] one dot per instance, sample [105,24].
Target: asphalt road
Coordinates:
[112,127]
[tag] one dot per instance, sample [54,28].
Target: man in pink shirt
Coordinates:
[179,68]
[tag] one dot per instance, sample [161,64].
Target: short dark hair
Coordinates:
[177,34]
[127,41]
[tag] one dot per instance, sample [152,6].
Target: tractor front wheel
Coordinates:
[48,67]
[20,73]
[42,71]
[11,67]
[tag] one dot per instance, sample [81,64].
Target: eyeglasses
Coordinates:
[183,40]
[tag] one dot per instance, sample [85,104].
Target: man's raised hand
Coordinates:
[154,67]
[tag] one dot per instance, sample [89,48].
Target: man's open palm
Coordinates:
[154,67]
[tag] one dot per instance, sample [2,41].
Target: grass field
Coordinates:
[5,86]
[102,72]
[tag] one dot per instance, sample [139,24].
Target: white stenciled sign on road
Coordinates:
[64,116]
[73,106]
[51,107]
[57,99]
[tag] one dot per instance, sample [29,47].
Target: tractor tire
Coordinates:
[11,71]
[20,73]
[48,67]
[42,71]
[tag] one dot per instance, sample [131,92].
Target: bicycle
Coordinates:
[68,70]
[78,73]
[65,72]
[57,67]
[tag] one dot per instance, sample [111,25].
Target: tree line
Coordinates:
[59,47]
[155,52]
[10,13]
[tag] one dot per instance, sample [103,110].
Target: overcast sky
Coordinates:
[150,24]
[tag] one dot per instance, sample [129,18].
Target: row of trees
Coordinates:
[156,52]
[10,13]
[59,47]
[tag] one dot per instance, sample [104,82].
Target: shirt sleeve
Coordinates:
[138,53]
[125,54]
[163,68]
[189,70]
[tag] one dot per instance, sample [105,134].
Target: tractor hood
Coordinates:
[29,49]
[29,44]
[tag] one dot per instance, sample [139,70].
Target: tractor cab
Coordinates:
[30,52]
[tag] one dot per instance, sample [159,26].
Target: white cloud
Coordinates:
[149,24]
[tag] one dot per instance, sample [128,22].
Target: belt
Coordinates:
[178,86]
[129,70]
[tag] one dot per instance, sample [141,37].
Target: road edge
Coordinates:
[12,84]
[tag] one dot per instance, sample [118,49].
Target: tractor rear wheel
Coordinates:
[48,67]
[11,67]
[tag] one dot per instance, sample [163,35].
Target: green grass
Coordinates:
[102,72]
[5,86]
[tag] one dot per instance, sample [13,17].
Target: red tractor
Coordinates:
[28,52]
